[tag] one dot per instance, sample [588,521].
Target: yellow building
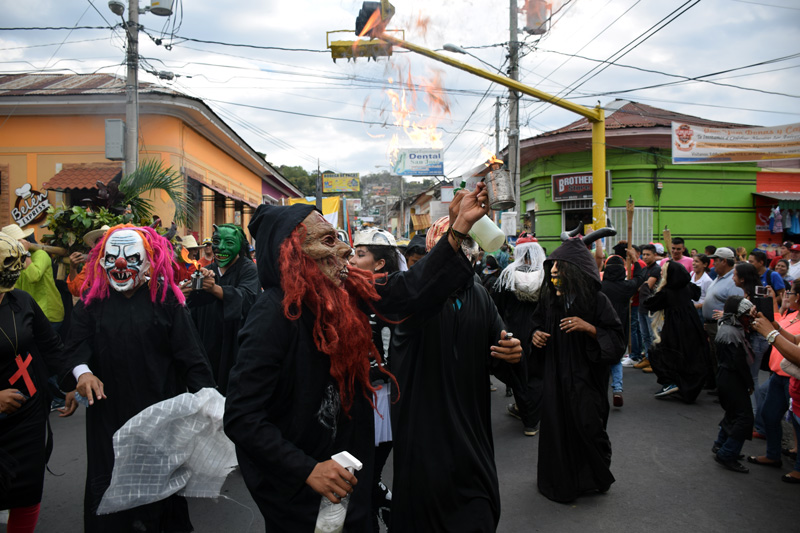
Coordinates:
[53,149]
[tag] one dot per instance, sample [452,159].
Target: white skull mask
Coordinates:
[125,260]
[12,260]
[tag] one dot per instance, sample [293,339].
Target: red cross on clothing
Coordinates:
[23,374]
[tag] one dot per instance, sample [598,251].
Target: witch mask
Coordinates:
[226,244]
[125,260]
[12,260]
[322,244]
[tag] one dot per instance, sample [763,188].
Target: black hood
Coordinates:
[677,276]
[270,226]
[574,251]
[417,241]
[615,269]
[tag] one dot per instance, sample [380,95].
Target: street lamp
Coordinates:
[458,50]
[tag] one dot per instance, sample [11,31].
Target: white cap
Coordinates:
[374,237]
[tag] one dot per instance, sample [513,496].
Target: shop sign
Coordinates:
[700,144]
[341,183]
[419,162]
[31,205]
[576,186]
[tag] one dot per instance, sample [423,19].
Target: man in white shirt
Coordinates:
[794,261]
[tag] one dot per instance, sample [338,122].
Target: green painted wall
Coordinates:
[704,204]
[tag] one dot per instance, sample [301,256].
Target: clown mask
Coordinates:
[125,261]
[322,244]
[226,244]
[12,260]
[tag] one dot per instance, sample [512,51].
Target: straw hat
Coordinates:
[189,242]
[15,232]
[91,238]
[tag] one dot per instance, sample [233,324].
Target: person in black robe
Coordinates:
[680,351]
[516,295]
[230,286]
[445,478]
[128,352]
[577,337]
[734,383]
[285,410]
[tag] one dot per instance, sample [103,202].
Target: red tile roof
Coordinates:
[83,176]
[636,115]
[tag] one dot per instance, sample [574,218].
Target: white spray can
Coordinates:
[331,515]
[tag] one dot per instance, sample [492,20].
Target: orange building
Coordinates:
[53,150]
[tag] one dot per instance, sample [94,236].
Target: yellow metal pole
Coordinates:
[599,215]
[589,113]
[595,115]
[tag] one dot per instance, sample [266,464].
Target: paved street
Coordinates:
[667,479]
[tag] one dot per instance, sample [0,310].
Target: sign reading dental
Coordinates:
[576,186]
[31,205]
[702,144]
[419,162]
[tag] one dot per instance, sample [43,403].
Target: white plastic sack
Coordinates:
[173,447]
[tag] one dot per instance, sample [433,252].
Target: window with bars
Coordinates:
[642,225]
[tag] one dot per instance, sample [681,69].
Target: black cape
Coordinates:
[574,448]
[445,478]
[734,380]
[282,409]
[22,434]
[620,290]
[143,353]
[681,358]
[219,321]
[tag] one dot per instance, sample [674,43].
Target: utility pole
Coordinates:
[402,209]
[132,90]
[497,127]
[513,105]
[319,188]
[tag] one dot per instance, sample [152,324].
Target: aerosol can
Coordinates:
[331,515]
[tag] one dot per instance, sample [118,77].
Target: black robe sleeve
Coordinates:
[610,340]
[78,348]
[48,342]
[188,351]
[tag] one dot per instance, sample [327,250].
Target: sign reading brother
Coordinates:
[576,186]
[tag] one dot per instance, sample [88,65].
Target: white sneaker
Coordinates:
[627,361]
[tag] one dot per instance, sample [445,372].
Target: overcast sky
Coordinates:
[297,106]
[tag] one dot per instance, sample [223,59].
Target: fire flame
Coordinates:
[491,158]
[373,22]
[188,260]
[404,110]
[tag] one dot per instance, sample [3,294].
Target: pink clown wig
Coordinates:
[159,253]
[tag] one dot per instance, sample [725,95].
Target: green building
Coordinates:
[703,203]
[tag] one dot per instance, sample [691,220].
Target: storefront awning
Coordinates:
[421,222]
[784,199]
[83,176]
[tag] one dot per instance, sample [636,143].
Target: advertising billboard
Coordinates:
[341,183]
[419,162]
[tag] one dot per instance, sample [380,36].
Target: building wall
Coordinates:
[704,204]
[34,147]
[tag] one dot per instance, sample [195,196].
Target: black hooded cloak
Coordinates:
[219,321]
[445,478]
[734,380]
[282,410]
[681,358]
[620,290]
[574,448]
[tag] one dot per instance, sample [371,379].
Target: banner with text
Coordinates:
[341,183]
[419,162]
[702,144]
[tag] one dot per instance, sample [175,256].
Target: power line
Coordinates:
[767,5]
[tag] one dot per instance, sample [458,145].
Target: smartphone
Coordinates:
[765,305]
[761,290]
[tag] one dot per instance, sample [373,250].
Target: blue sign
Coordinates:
[419,162]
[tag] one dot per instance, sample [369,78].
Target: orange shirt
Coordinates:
[75,284]
[775,356]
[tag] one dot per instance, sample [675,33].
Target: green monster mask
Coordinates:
[226,243]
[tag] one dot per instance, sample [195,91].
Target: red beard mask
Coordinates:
[341,329]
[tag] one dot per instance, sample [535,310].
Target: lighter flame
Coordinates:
[187,259]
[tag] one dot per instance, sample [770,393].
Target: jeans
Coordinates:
[616,377]
[646,332]
[759,345]
[729,448]
[760,393]
[796,425]
[772,410]
[636,335]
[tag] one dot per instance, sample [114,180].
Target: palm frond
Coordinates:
[151,175]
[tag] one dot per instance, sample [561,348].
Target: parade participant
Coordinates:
[620,291]
[219,309]
[375,251]
[206,253]
[679,355]
[300,390]
[28,344]
[516,296]
[132,344]
[442,357]
[579,338]
[77,260]
[415,250]
[734,383]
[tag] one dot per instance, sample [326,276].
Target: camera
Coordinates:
[761,290]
